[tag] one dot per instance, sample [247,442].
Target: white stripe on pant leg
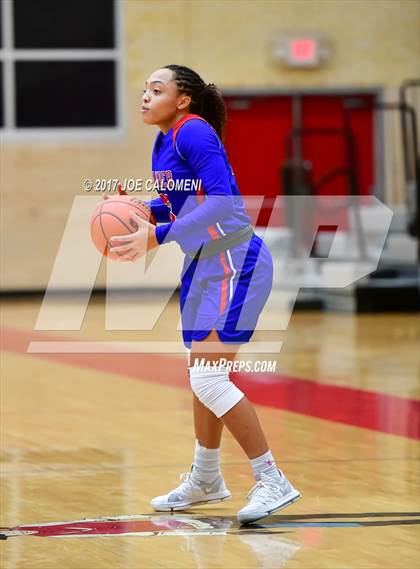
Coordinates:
[229,256]
[214,389]
[232,278]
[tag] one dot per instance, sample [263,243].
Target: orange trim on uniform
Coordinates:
[120,190]
[212,229]
[222,256]
[183,120]
[213,232]
[168,204]
[200,195]
[225,283]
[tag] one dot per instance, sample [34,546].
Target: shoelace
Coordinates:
[184,476]
[263,490]
[186,482]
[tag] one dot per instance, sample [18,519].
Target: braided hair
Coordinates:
[206,100]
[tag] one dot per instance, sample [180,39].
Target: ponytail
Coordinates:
[206,100]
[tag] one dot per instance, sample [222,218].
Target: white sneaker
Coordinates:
[267,496]
[192,493]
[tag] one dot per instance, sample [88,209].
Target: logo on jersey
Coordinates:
[162,178]
[160,182]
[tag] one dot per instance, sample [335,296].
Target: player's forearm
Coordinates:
[214,209]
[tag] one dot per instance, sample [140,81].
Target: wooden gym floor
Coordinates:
[89,436]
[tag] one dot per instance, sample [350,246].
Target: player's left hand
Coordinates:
[133,246]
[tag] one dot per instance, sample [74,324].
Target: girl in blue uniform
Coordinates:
[225,282]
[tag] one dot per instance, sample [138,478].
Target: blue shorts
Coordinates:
[226,292]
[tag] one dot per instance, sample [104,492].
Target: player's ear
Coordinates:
[183,102]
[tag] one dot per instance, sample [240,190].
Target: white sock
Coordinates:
[206,463]
[264,463]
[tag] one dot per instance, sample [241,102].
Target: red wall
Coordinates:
[255,141]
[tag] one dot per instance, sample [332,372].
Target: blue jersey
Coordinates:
[199,198]
[226,291]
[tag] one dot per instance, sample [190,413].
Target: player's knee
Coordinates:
[214,389]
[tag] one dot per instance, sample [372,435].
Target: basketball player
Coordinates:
[227,277]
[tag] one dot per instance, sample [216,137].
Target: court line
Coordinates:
[347,405]
[89,469]
[148,347]
[296,517]
[360,408]
[338,524]
[185,524]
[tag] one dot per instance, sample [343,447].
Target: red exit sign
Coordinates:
[301,49]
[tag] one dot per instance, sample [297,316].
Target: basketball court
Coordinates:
[323,103]
[84,438]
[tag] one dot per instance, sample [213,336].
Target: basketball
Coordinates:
[112,217]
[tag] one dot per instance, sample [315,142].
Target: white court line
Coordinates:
[89,347]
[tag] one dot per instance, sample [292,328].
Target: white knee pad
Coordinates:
[214,389]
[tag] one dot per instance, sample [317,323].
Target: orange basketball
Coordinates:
[112,217]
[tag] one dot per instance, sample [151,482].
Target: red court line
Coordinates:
[357,407]
[360,408]
[148,367]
